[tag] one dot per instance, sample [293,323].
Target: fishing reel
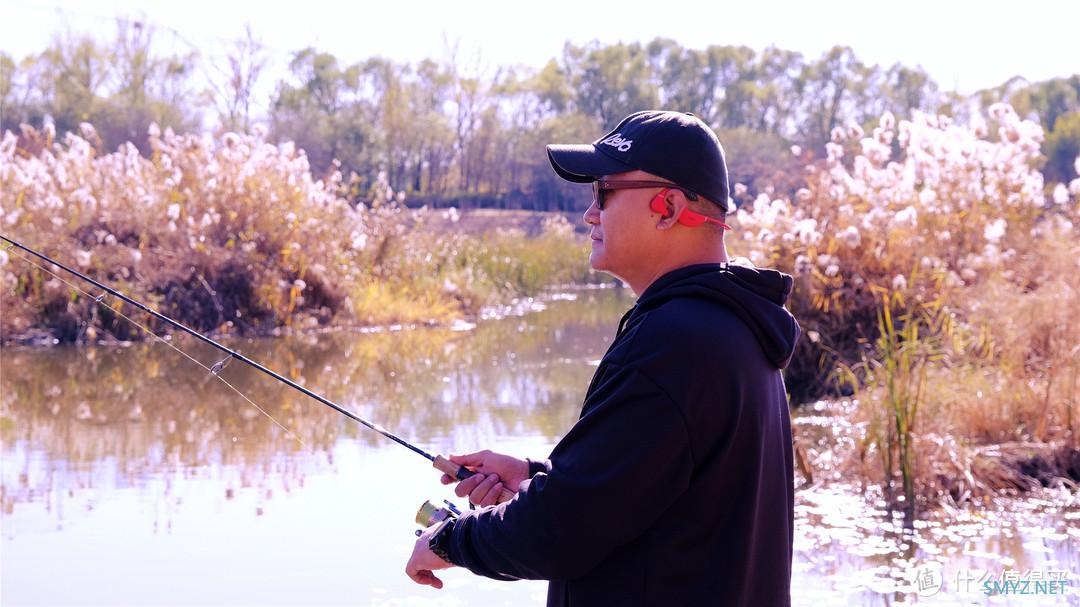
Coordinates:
[430,514]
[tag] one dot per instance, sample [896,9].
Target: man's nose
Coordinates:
[592,214]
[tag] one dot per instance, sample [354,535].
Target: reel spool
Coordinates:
[429,514]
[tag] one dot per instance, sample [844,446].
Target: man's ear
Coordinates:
[670,204]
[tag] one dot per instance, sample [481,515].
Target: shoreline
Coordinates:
[516,307]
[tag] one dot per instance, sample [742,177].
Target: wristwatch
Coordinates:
[440,541]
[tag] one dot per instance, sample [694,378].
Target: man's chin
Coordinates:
[596,261]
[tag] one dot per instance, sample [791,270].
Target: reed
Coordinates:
[890,383]
[955,221]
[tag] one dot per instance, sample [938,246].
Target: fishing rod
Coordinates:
[438,461]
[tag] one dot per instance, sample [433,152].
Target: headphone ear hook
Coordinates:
[658,204]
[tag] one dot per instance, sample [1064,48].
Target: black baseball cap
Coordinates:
[677,146]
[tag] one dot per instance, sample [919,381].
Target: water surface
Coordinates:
[131,476]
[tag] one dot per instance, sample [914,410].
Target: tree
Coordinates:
[7,80]
[731,83]
[552,88]
[1048,100]
[14,94]
[323,111]
[75,71]
[435,151]
[610,82]
[1062,148]
[119,86]
[832,89]
[470,99]
[904,90]
[236,75]
[148,88]
[774,100]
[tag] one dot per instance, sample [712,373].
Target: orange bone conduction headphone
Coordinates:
[688,218]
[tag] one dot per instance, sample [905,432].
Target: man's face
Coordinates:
[622,234]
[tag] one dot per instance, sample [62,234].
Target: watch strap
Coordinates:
[440,541]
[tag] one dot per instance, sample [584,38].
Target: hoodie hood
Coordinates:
[757,296]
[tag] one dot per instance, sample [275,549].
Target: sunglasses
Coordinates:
[687,218]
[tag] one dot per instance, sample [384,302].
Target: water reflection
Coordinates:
[118,458]
[149,408]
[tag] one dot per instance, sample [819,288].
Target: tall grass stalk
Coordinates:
[891,386]
[901,361]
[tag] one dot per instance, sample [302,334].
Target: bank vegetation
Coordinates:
[235,235]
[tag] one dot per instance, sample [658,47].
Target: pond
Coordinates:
[131,476]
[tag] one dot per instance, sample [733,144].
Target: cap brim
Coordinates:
[583,163]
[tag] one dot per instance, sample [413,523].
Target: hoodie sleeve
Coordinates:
[617,470]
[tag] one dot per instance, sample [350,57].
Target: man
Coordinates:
[675,485]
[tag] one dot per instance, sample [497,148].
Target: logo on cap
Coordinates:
[616,141]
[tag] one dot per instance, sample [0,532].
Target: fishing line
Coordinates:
[236,355]
[438,461]
[215,370]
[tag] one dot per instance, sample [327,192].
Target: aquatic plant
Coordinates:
[895,371]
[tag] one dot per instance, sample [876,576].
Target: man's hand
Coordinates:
[423,561]
[494,471]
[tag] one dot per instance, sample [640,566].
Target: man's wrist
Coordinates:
[439,543]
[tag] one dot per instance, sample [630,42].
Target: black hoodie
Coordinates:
[675,485]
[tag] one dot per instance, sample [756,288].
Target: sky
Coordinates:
[965,45]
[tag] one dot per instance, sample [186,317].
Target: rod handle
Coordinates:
[461,473]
